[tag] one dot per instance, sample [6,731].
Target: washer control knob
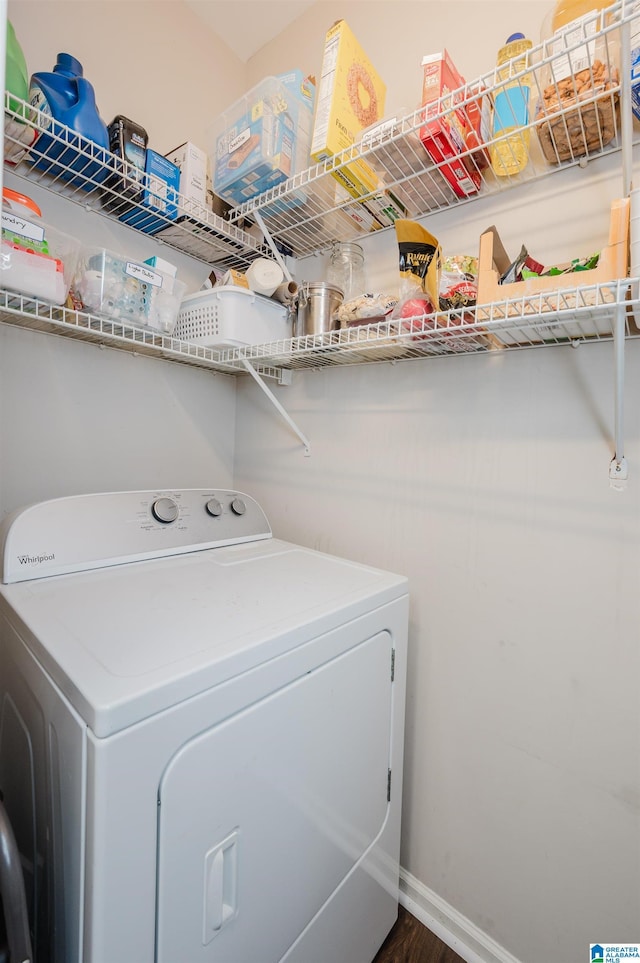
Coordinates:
[165,510]
[213,507]
[238,507]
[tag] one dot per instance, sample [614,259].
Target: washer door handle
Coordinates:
[220,886]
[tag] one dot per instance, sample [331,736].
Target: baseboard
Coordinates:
[450,926]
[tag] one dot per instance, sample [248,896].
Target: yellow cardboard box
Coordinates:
[350,97]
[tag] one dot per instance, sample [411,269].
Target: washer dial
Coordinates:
[213,507]
[164,510]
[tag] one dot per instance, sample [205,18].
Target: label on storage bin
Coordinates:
[238,141]
[142,273]
[14,224]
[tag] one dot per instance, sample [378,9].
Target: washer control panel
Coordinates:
[82,532]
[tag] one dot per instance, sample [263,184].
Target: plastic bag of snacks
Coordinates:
[458,283]
[419,262]
[366,309]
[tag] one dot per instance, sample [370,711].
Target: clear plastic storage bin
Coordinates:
[257,142]
[135,293]
[35,259]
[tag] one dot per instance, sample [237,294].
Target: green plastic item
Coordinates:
[16,75]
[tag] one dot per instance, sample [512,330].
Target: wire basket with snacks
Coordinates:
[577,109]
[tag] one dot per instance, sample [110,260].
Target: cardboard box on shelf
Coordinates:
[159,195]
[232,278]
[351,97]
[192,162]
[543,291]
[446,126]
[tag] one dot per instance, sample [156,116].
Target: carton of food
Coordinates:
[446,125]
[192,161]
[159,195]
[351,97]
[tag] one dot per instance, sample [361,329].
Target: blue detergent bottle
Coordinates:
[67,100]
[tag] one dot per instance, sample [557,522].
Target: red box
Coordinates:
[478,114]
[445,129]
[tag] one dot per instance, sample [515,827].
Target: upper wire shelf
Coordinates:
[96,179]
[304,215]
[573,120]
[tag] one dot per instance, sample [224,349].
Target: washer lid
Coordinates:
[128,641]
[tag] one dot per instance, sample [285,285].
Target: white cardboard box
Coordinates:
[192,162]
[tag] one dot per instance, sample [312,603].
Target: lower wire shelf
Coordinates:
[579,315]
[25,312]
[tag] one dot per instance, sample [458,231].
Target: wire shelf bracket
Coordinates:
[282,411]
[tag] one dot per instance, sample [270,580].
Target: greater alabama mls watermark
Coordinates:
[613,952]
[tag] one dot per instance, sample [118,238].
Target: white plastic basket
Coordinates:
[230,316]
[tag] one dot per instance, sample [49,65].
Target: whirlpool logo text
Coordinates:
[35,559]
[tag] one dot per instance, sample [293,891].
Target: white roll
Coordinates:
[264,276]
[285,292]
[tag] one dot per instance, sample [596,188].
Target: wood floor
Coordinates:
[411,942]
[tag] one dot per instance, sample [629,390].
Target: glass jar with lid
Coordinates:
[347,269]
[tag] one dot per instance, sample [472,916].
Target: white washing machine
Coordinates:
[201,732]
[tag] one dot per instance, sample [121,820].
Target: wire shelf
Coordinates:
[26,312]
[305,215]
[574,316]
[88,175]
[573,119]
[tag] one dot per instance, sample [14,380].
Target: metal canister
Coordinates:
[318,303]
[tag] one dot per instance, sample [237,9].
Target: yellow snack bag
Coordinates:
[419,261]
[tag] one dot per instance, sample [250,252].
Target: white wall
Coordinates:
[485,480]
[74,418]
[153,62]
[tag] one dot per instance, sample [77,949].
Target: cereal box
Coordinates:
[351,97]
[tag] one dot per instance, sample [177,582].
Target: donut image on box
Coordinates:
[351,96]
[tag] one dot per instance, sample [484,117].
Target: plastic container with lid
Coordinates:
[37,260]
[565,11]
[509,149]
[22,222]
[124,290]
[66,99]
[128,143]
[255,141]
[579,83]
